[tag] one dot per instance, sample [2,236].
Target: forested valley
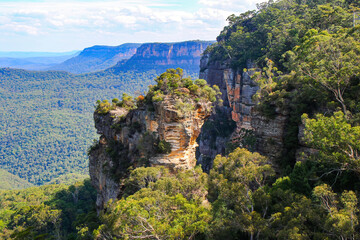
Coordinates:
[46,118]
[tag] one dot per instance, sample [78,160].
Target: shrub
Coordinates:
[103,107]
[164,147]
[127,102]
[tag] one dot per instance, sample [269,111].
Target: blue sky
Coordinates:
[56,26]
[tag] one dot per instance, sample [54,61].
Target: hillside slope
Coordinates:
[97,58]
[10,181]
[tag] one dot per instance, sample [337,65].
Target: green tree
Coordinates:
[337,141]
[342,218]
[266,79]
[237,187]
[152,214]
[329,60]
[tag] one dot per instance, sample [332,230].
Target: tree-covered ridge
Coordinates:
[278,26]
[307,58]
[306,55]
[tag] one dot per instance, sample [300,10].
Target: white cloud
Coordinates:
[231,5]
[118,21]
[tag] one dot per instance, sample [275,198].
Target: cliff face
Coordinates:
[132,138]
[185,55]
[253,130]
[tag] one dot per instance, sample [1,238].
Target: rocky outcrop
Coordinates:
[252,130]
[133,138]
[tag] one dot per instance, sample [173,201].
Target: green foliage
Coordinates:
[172,82]
[266,80]
[329,60]
[237,187]
[152,214]
[341,219]
[300,178]
[142,177]
[164,147]
[337,141]
[127,102]
[275,28]
[69,179]
[48,212]
[162,205]
[46,122]
[185,107]
[190,183]
[103,107]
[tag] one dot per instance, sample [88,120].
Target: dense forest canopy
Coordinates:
[46,118]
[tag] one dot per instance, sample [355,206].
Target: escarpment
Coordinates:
[253,130]
[157,133]
[185,55]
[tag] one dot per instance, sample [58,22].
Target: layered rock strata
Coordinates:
[238,89]
[131,139]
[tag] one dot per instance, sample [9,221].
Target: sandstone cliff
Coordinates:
[185,55]
[253,130]
[137,138]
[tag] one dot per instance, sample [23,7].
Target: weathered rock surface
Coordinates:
[130,138]
[238,89]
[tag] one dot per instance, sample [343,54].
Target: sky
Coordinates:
[66,25]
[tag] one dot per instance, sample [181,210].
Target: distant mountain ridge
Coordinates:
[97,58]
[161,56]
[36,54]
[126,57]
[33,63]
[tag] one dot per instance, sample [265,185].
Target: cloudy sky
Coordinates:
[65,25]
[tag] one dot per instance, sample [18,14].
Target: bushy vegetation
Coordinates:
[184,89]
[159,205]
[304,57]
[49,212]
[239,199]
